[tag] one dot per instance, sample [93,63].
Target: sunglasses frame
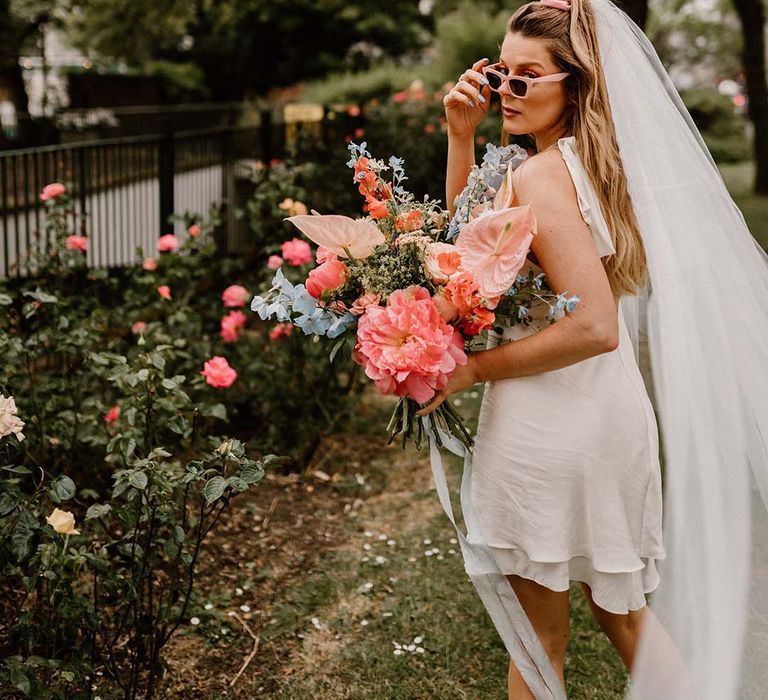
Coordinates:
[529,82]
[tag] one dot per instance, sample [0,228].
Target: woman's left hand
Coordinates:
[463,377]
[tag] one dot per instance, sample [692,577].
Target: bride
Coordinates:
[565,481]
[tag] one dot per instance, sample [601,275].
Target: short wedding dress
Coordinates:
[566,479]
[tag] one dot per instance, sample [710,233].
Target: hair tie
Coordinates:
[559,4]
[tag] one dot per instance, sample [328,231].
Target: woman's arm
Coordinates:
[567,254]
[461,158]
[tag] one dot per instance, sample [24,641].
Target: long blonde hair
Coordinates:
[572,42]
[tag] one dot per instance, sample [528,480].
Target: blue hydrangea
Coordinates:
[278,306]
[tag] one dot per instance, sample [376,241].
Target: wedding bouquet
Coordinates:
[408,289]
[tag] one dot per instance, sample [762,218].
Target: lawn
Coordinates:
[738,177]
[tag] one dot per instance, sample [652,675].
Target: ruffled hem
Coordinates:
[615,591]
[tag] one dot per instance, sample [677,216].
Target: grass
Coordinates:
[350,614]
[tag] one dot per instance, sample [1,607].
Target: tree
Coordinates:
[637,10]
[752,16]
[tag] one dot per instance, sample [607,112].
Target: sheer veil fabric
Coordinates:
[704,320]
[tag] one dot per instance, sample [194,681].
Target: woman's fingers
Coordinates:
[437,399]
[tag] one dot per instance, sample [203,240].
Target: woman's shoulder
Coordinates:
[543,175]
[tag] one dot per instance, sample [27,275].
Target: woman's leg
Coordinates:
[548,612]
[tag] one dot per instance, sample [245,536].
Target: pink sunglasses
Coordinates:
[518,84]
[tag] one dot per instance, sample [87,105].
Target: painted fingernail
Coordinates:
[471,103]
[481,98]
[484,80]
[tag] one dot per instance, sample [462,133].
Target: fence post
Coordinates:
[166,167]
[266,136]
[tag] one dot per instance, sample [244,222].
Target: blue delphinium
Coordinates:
[267,306]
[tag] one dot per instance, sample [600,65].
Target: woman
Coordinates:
[564,483]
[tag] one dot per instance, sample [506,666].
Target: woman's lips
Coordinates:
[509,112]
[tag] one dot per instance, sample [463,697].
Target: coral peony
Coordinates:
[218,373]
[164,291]
[55,189]
[149,264]
[167,243]
[296,252]
[112,415]
[329,276]
[235,295]
[76,243]
[407,348]
[274,261]
[194,230]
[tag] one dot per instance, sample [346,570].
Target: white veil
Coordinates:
[707,333]
[705,318]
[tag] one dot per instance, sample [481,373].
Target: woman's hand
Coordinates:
[467,102]
[463,377]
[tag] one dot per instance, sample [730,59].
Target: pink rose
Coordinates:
[231,325]
[327,277]
[235,295]
[296,252]
[55,189]
[218,373]
[323,254]
[167,243]
[112,414]
[194,230]
[76,243]
[407,348]
[441,261]
[164,291]
[444,305]
[138,327]
[362,302]
[274,262]
[280,330]
[149,264]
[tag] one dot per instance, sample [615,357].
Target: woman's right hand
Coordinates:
[471,89]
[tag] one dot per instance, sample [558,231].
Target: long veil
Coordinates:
[704,317]
[707,333]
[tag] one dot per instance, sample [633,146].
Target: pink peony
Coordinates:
[167,243]
[296,252]
[407,348]
[149,264]
[327,277]
[274,262]
[76,243]
[231,325]
[218,373]
[112,415]
[164,291]
[138,327]
[362,302]
[194,230]
[55,189]
[280,330]
[235,295]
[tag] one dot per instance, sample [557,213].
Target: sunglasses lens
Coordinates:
[494,81]
[519,87]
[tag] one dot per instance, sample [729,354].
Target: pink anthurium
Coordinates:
[340,233]
[494,245]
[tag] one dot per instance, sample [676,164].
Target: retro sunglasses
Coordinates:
[497,75]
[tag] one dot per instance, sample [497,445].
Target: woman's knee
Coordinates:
[628,623]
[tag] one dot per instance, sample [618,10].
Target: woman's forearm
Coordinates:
[564,343]
[461,158]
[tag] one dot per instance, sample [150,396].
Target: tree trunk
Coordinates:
[636,9]
[12,36]
[752,16]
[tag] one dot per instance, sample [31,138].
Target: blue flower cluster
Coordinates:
[483,182]
[564,302]
[283,298]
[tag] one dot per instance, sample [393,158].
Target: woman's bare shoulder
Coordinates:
[542,177]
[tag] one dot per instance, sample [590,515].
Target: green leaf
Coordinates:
[22,543]
[97,510]
[214,489]
[5,299]
[21,681]
[217,410]
[63,487]
[138,480]
[336,347]
[158,360]
[18,470]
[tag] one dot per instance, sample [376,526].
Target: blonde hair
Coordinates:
[572,42]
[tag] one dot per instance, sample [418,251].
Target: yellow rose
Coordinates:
[63,522]
[286,204]
[299,209]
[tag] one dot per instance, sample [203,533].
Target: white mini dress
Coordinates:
[566,479]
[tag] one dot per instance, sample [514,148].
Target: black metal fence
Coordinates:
[124,189]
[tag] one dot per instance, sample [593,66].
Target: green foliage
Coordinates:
[724,132]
